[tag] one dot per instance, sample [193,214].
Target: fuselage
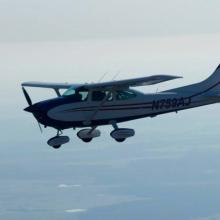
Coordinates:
[68,112]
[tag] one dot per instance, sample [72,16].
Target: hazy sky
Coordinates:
[169,170]
[39,20]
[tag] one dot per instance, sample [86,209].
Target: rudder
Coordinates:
[215,77]
[213,82]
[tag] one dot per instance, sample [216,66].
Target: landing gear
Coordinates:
[86,135]
[56,146]
[120,140]
[121,134]
[86,140]
[57,141]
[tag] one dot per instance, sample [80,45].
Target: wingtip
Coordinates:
[179,77]
[218,68]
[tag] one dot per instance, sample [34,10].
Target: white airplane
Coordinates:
[109,103]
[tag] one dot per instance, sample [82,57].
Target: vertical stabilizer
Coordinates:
[214,78]
[212,84]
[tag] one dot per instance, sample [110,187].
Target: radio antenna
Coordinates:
[102,77]
[116,75]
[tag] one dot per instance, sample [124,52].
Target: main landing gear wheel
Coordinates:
[86,140]
[121,134]
[120,140]
[56,146]
[87,135]
[57,141]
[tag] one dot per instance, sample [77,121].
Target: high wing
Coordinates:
[144,81]
[49,85]
[55,86]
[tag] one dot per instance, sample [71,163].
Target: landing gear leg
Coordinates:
[116,128]
[114,125]
[59,132]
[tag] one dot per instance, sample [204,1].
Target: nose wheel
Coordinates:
[57,141]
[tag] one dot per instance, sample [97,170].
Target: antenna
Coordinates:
[102,77]
[116,75]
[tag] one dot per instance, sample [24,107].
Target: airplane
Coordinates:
[88,106]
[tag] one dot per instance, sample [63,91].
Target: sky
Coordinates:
[169,170]
[31,20]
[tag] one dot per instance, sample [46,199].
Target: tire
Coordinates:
[120,140]
[56,146]
[87,140]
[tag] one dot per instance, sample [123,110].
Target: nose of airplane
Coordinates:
[41,108]
[33,109]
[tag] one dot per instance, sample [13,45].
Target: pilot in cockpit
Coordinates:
[98,95]
[77,96]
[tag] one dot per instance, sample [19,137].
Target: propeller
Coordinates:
[30,104]
[27,96]
[41,130]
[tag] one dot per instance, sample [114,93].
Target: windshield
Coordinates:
[77,94]
[70,91]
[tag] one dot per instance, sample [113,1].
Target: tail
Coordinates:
[212,84]
[215,77]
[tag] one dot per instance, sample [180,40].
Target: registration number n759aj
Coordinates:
[171,103]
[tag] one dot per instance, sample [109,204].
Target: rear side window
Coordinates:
[125,95]
[98,96]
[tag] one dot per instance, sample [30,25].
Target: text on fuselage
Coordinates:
[171,103]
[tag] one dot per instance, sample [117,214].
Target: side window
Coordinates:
[125,95]
[83,95]
[98,96]
[110,96]
[78,95]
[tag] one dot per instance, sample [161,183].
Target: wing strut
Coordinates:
[88,122]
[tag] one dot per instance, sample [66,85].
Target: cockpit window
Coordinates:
[70,91]
[79,95]
[125,95]
[101,95]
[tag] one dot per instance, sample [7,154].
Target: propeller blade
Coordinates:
[27,96]
[41,131]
